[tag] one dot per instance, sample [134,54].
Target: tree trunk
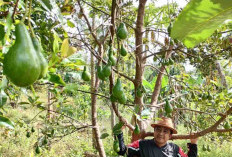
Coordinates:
[94,144]
[112,117]
[96,129]
[140,63]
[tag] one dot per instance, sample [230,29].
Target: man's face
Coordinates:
[161,135]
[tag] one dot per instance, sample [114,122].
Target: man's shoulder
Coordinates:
[173,144]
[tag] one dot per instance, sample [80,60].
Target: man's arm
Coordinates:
[122,146]
[192,149]
[191,153]
[131,150]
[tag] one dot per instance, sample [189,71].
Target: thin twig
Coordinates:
[88,24]
[155,30]
[226,31]
[36,115]
[15,8]
[197,111]
[93,93]
[161,104]
[75,130]
[107,13]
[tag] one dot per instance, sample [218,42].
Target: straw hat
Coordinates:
[165,122]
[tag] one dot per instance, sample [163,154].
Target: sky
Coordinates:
[159,3]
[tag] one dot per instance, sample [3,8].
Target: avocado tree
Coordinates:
[135,57]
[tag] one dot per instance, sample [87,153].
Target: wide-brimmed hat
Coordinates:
[165,122]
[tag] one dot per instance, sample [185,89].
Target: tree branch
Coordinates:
[95,8]
[156,30]
[197,111]
[107,13]
[161,104]
[92,93]
[15,8]
[157,87]
[100,58]
[88,23]
[213,128]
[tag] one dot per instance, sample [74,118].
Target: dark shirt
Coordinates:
[148,148]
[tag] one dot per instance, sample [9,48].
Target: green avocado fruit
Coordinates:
[116,146]
[117,89]
[85,75]
[37,150]
[168,107]
[122,31]
[21,64]
[106,71]
[136,130]
[123,51]
[100,74]
[112,59]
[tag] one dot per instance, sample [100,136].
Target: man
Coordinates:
[159,146]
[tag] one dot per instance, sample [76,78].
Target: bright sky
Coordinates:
[159,3]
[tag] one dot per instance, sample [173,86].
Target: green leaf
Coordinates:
[164,81]
[3,98]
[104,135]
[30,99]
[3,3]
[46,4]
[147,85]
[23,102]
[199,19]
[71,50]
[66,50]
[4,82]
[194,81]
[2,33]
[117,128]
[52,7]
[70,24]
[56,78]
[6,122]
[54,59]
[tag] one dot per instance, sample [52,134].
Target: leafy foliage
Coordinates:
[199,19]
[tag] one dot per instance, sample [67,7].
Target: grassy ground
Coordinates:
[14,143]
